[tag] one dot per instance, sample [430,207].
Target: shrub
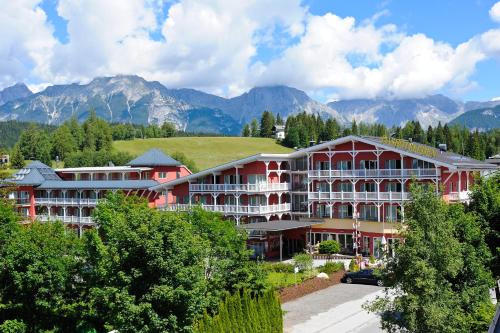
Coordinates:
[279,267]
[331,267]
[353,266]
[329,247]
[13,326]
[372,259]
[244,313]
[303,261]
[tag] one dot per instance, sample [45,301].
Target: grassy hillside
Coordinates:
[207,152]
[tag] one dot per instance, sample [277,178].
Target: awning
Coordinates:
[280,225]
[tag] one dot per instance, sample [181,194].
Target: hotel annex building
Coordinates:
[352,189]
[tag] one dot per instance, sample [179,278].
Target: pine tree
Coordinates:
[266,124]
[354,128]
[254,128]
[17,158]
[430,136]
[246,131]
[279,120]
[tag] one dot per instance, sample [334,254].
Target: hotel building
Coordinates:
[352,190]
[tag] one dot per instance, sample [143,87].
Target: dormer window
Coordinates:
[162,175]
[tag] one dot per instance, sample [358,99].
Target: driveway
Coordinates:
[335,309]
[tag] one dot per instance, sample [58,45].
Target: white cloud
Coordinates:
[26,41]
[495,12]
[214,45]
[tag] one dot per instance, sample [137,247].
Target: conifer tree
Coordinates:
[246,131]
[254,128]
[17,158]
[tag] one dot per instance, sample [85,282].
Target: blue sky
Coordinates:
[330,49]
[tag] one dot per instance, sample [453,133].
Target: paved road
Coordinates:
[335,309]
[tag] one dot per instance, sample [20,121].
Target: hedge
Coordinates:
[244,313]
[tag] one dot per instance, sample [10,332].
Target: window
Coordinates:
[368,187]
[392,213]
[345,211]
[393,187]
[256,179]
[322,165]
[229,200]
[323,211]
[231,179]
[368,212]
[344,165]
[345,187]
[323,187]
[393,164]
[257,200]
[177,174]
[162,175]
[368,164]
[377,247]
[419,164]
[366,245]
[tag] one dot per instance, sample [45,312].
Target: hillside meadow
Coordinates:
[206,152]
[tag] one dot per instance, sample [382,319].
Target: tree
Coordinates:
[329,247]
[266,124]
[246,131]
[418,132]
[254,127]
[332,130]
[279,120]
[354,127]
[17,158]
[292,138]
[189,163]
[438,279]
[41,287]
[63,142]
[35,144]
[485,202]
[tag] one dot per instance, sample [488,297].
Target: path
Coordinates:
[334,309]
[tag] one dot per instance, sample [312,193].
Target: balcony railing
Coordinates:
[233,209]
[458,196]
[66,201]
[360,196]
[376,173]
[66,219]
[263,187]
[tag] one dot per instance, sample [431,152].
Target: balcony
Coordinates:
[359,196]
[376,173]
[66,201]
[66,219]
[463,196]
[233,209]
[263,187]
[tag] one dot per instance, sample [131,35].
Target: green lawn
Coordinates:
[207,152]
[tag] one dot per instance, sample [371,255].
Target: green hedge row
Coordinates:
[244,313]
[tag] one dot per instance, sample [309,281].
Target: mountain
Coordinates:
[429,110]
[481,119]
[129,98]
[19,90]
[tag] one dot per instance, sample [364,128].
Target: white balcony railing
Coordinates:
[66,219]
[66,201]
[233,209]
[377,173]
[262,187]
[360,196]
[462,196]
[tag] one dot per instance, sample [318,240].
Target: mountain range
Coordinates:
[130,98]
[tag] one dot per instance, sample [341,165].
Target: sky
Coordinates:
[330,49]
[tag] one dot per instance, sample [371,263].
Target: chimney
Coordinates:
[312,143]
[443,147]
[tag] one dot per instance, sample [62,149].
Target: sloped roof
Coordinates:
[154,157]
[35,174]
[98,184]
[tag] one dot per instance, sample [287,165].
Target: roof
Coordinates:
[280,225]
[222,167]
[102,169]
[98,184]
[412,149]
[154,157]
[35,174]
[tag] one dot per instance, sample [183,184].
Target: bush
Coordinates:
[303,261]
[244,313]
[372,259]
[279,267]
[13,326]
[353,266]
[329,247]
[331,267]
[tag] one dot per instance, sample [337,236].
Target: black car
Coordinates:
[366,276]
